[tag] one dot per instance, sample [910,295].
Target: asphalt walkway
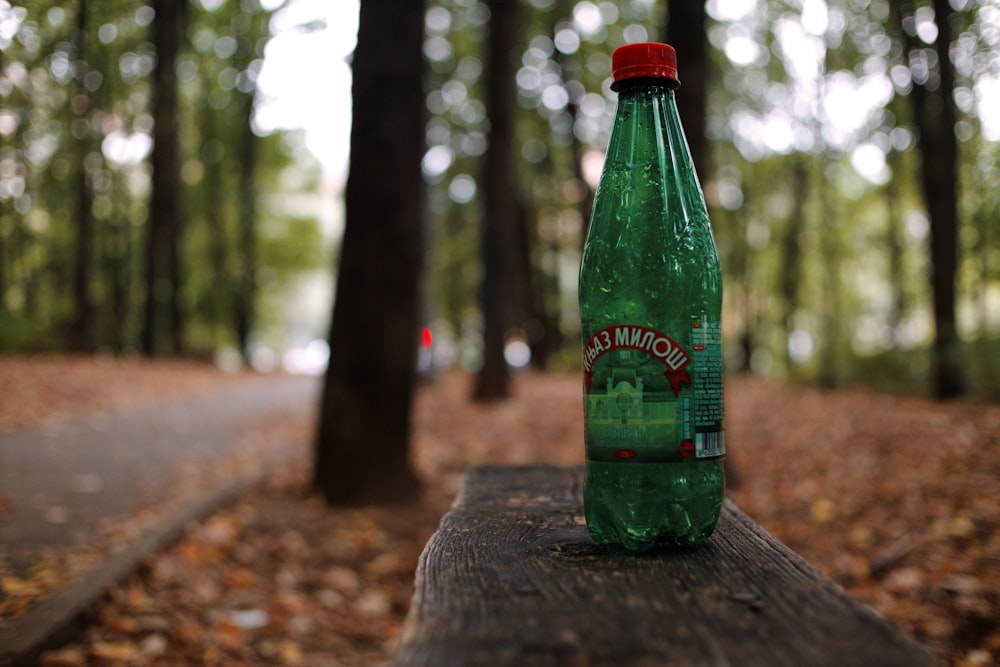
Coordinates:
[66,484]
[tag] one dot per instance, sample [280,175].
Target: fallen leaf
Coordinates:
[114,651]
[240,577]
[119,623]
[823,510]
[290,653]
[21,587]
[73,656]
[229,634]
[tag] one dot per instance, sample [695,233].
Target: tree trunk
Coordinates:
[82,327]
[686,33]
[362,444]
[895,245]
[163,271]
[215,206]
[246,279]
[940,176]
[791,256]
[499,198]
[118,262]
[934,114]
[831,301]
[537,296]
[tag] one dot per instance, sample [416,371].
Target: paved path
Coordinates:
[64,482]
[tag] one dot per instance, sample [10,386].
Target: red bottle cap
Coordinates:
[645,59]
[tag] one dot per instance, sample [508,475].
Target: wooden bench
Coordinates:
[512,577]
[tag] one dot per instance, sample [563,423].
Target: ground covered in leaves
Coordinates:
[898,499]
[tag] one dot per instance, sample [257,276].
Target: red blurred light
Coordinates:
[428,338]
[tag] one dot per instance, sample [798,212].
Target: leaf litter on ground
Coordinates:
[895,498]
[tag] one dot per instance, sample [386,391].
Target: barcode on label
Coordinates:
[709,444]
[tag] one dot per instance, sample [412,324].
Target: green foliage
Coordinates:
[907,371]
[813,186]
[17,333]
[76,134]
[983,363]
[291,245]
[817,206]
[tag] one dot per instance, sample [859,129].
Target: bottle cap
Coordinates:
[644,59]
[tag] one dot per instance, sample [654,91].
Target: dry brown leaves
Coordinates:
[276,579]
[40,387]
[896,498]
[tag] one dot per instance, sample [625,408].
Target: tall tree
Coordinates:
[163,293]
[499,199]
[790,274]
[245,280]
[686,32]
[933,107]
[81,328]
[362,442]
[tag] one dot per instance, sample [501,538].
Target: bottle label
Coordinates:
[647,397]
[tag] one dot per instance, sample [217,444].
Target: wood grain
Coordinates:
[512,578]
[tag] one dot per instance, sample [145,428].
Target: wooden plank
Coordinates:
[513,578]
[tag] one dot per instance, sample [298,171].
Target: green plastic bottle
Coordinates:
[650,306]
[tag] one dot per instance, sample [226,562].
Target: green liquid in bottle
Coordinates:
[640,505]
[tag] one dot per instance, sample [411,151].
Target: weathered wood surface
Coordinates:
[513,578]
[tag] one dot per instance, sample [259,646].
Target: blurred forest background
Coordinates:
[167,186]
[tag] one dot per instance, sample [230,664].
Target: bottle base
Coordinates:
[640,506]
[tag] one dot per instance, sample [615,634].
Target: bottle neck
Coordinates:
[644,83]
[648,152]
